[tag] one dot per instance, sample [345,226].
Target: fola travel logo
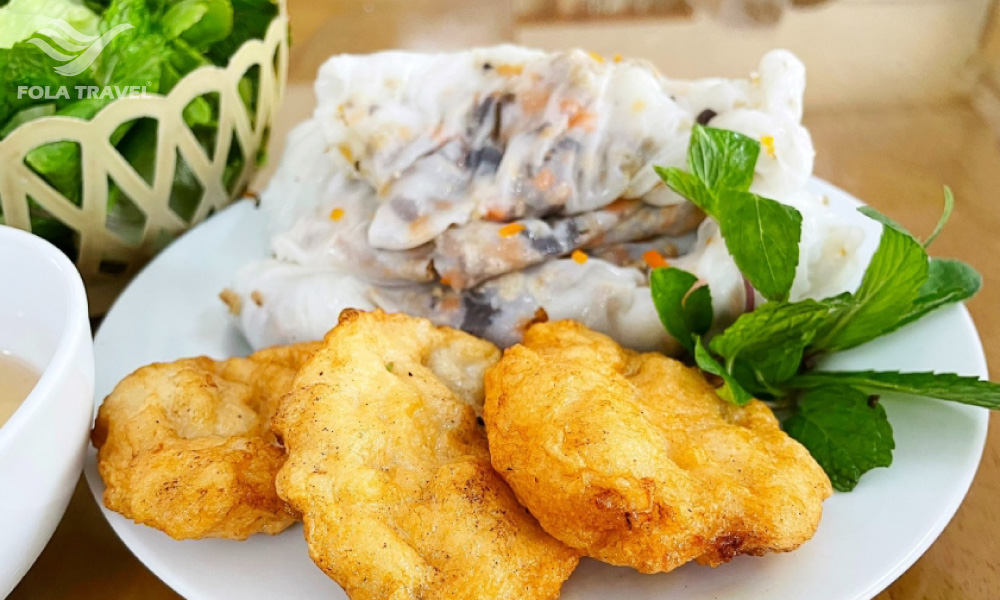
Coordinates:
[77,50]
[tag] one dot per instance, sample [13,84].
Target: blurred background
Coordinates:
[858,51]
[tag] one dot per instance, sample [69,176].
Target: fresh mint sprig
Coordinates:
[769,352]
[721,165]
[888,289]
[948,281]
[943,386]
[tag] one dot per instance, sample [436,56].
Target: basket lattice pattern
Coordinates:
[106,254]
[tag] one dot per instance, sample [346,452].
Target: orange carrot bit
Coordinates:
[495,214]
[509,70]
[419,225]
[621,205]
[768,142]
[579,256]
[535,100]
[511,229]
[570,106]
[583,120]
[654,259]
[445,279]
[336,214]
[544,179]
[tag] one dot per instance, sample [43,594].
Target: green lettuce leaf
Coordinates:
[200,23]
[251,18]
[19,19]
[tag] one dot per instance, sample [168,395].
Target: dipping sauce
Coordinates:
[17,379]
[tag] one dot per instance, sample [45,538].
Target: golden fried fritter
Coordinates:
[633,459]
[390,469]
[186,447]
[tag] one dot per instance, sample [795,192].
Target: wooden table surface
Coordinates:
[895,159]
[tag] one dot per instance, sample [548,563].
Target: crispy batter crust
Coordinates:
[186,447]
[633,459]
[390,469]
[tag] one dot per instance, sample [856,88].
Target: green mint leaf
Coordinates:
[947,276]
[689,186]
[943,386]
[948,281]
[722,159]
[764,348]
[875,215]
[762,236]
[949,205]
[698,310]
[773,325]
[845,434]
[763,373]
[684,312]
[731,390]
[772,368]
[668,287]
[888,289]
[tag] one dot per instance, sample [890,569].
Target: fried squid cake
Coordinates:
[390,469]
[634,460]
[186,447]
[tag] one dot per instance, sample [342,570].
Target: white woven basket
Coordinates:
[106,257]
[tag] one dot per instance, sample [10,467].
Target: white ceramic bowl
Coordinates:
[43,320]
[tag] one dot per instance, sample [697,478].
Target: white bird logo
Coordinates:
[82,49]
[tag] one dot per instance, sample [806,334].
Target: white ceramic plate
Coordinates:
[867,538]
